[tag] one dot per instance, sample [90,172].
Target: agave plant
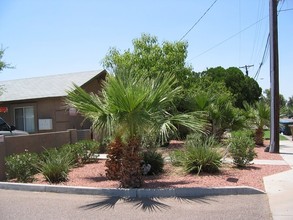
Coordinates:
[131,106]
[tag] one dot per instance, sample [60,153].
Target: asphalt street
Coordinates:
[41,205]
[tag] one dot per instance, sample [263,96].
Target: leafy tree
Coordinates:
[289,108]
[217,101]
[3,64]
[266,97]
[151,59]
[290,102]
[129,107]
[242,87]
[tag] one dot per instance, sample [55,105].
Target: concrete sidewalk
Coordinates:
[279,187]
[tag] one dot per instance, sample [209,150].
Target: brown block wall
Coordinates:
[37,143]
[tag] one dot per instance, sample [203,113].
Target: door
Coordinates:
[25,119]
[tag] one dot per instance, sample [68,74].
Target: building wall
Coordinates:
[49,108]
[54,109]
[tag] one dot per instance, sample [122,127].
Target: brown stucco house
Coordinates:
[36,105]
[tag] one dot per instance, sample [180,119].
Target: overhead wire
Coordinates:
[198,20]
[240,27]
[263,58]
[232,36]
[265,53]
[257,34]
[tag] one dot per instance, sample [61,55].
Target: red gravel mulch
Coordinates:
[93,175]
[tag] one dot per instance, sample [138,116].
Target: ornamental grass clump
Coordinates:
[242,148]
[21,167]
[55,165]
[201,154]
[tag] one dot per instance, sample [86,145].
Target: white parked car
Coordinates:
[8,130]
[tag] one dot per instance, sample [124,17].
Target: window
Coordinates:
[3,125]
[24,119]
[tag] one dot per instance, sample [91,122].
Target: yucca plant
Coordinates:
[130,106]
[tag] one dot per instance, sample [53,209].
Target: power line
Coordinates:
[198,21]
[267,45]
[264,56]
[232,36]
[258,36]
[288,9]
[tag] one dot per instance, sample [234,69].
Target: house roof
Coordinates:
[44,87]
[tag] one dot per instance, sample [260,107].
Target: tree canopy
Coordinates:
[151,58]
[242,87]
[3,64]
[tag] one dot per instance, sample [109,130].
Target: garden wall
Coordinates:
[37,143]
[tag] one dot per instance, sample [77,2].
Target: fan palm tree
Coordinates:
[130,106]
[259,117]
[221,113]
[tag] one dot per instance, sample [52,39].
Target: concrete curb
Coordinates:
[134,193]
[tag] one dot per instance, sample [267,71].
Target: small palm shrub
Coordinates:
[21,167]
[242,148]
[200,155]
[55,165]
[155,160]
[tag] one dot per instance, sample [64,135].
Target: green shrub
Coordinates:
[83,151]
[242,148]
[150,142]
[87,150]
[55,165]
[197,140]
[156,161]
[21,166]
[104,144]
[200,155]
[177,157]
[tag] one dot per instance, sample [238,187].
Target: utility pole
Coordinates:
[274,76]
[246,68]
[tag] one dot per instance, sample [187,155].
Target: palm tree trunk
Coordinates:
[258,136]
[113,162]
[131,175]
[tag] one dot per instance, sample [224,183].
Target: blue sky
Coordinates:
[44,37]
